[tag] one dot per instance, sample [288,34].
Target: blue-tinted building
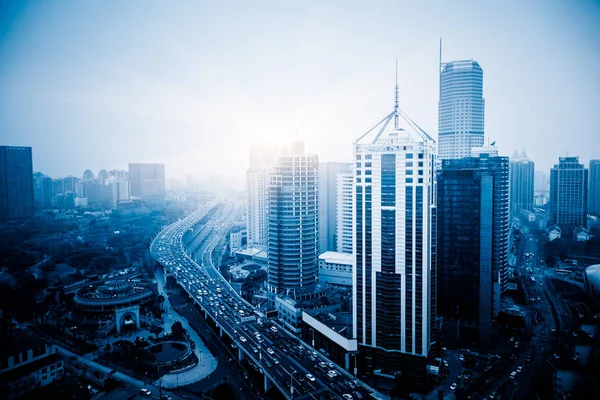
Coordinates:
[568,194]
[461,109]
[16,182]
[473,228]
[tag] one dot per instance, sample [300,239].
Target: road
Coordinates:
[280,355]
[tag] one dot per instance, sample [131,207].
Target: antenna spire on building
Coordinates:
[396,99]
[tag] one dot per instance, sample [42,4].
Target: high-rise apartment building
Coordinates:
[42,191]
[473,229]
[522,174]
[394,277]
[328,197]
[121,192]
[293,233]
[594,191]
[461,109]
[568,194]
[147,181]
[343,226]
[16,182]
[88,175]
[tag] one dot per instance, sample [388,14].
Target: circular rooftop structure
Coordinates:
[114,294]
[592,281]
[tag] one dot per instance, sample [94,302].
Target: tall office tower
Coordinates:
[58,186]
[328,204]
[16,182]
[461,109]
[147,181]
[522,173]
[42,191]
[594,195]
[343,226]
[568,194]
[473,228]
[88,175]
[293,233]
[257,176]
[394,276]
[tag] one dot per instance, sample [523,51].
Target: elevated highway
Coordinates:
[285,362]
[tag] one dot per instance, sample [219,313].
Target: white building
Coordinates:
[121,192]
[394,277]
[328,204]
[336,268]
[257,179]
[344,212]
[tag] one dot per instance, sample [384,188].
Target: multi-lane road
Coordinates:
[292,366]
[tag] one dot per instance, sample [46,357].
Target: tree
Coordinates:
[177,329]
[156,330]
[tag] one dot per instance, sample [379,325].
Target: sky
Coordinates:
[99,84]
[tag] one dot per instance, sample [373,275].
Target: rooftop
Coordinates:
[336,257]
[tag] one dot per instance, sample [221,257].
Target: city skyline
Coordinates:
[172,96]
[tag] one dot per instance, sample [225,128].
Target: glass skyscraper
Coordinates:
[522,175]
[147,181]
[594,194]
[473,228]
[461,109]
[16,182]
[568,194]
[293,224]
[394,276]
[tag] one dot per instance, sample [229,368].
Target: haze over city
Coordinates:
[101,84]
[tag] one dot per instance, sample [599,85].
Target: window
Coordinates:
[409,155]
[358,156]
[367,157]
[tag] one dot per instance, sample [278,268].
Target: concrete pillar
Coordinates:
[240,354]
[220,332]
[267,383]
[347,362]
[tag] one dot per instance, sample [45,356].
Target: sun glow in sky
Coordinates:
[193,84]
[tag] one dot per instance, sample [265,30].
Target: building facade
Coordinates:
[121,193]
[568,194]
[147,181]
[394,276]
[328,204]
[16,183]
[461,109]
[293,231]
[42,191]
[343,226]
[256,204]
[522,175]
[473,229]
[594,191]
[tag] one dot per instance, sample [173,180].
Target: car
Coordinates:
[310,377]
[347,396]
[274,329]
[268,363]
[322,365]
[357,395]
[301,378]
[243,339]
[519,368]
[145,392]
[276,361]
[330,365]
[461,357]
[453,386]
[270,351]
[513,374]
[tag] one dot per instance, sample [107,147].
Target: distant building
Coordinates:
[102,177]
[554,232]
[16,183]
[594,194]
[147,181]
[42,191]
[88,175]
[490,150]
[293,233]
[121,193]
[541,182]
[472,229]
[58,186]
[99,195]
[343,226]
[336,268]
[568,194]
[257,178]
[522,173]
[236,239]
[328,203]
[69,184]
[461,109]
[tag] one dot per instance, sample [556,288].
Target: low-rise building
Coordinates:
[553,232]
[335,268]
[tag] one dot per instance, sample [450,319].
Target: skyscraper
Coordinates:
[343,226]
[16,182]
[257,176]
[147,181]
[293,233]
[522,174]
[594,195]
[394,276]
[461,109]
[328,198]
[42,191]
[568,194]
[473,227]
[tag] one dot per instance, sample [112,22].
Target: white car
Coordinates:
[453,386]
[243,339]
[310,377]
